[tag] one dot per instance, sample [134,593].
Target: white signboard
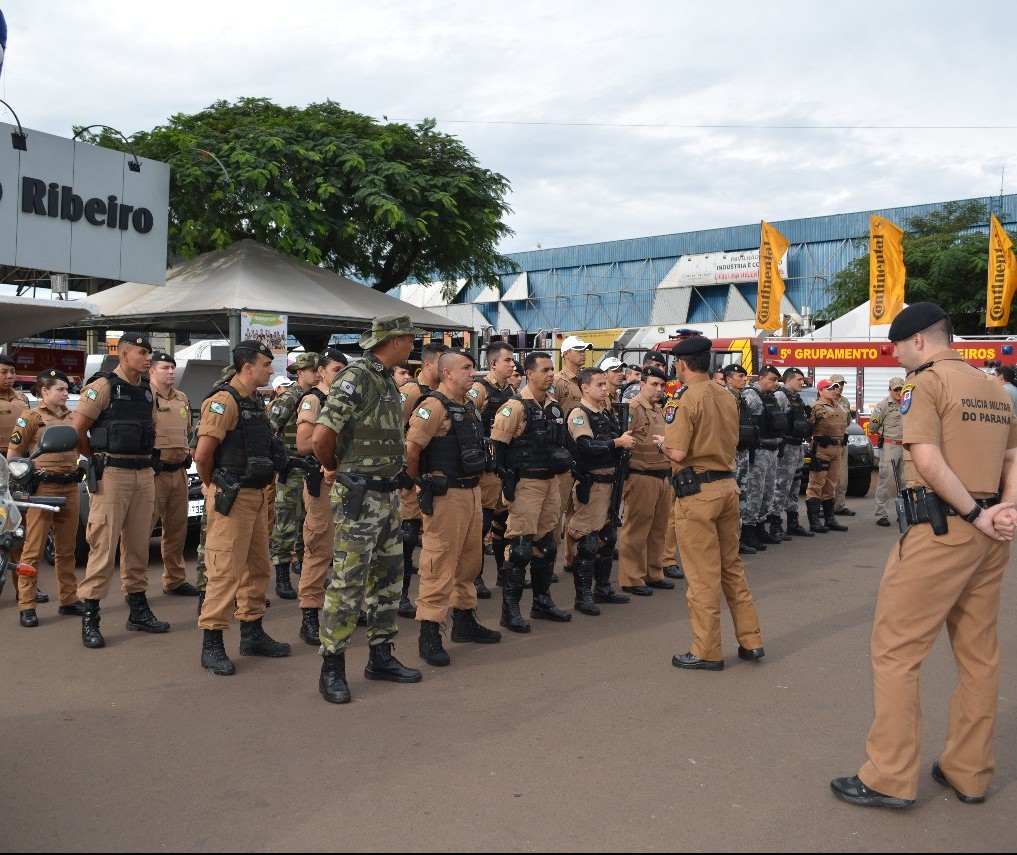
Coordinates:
[717,268]
[70,207]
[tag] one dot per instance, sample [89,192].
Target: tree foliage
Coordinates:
[378,202]
[946,263]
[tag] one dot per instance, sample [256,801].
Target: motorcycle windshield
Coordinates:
[10,516]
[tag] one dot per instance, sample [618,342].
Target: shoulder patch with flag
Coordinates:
[216,407]
[473,393]
[905,398]
[578,420]
[91,394]
[424,413]
[306,405]
[347,387]
[22,422]
[506,411]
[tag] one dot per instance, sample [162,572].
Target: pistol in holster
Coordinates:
[685,483]
[353,499]
[584,484]
[816,463]
[227,490]
[314,479]
[431,486]
[917,505]
[93,475]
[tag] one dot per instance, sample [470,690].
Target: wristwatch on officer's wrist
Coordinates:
[973,514]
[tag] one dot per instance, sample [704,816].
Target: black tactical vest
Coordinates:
[543,437]
[461,453]
[748,427]
[773,423]
[496,399]
[126,425]
[603,426]
[250,440]
[798,425]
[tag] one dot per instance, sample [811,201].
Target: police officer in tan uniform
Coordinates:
[528,435]
[445,455]
[840,496]
[116,430]
[412,520]
[701,442]
[647,495]
[589,533]
[829,423]
[489,395]
[236,458]
[172,441]
[319,524]
[568,394]
[960,449]
[887,423]
[59,475]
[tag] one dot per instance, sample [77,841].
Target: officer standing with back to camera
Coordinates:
[490,394]
[173,457]
[700,442]
[790,457]
[887,423]
[410,394]
[528,435]
[116,431]
[319,526]
[840,495]
[237,459]
[287,533]
[761,401]
[445,456]
[359,435]
[829,423]
[960,449]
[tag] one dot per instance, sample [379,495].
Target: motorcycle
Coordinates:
[17,477]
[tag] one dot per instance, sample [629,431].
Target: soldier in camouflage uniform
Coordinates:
[736,377]
[790,458]
[359,435]
[760,480]
[287,533]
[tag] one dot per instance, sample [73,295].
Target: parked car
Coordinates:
[861,457]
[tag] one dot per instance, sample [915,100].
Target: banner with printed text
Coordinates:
[1002,276]
[270,330]
[886,270]
[772,246]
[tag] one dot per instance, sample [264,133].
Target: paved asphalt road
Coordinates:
[576,737]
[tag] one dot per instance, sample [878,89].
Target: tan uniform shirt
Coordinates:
[829,420]
[309,409]
[644,422]
[579,425]
[566,390]
[705,426]
[26,436]
[430,419]
[886,420]
[478,393]
[217,421]
[172,425]
[410,394]
[12,405]
[966,414]
[510,420]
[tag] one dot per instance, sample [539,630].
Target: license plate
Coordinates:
[195,508]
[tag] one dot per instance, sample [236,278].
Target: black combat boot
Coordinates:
[297,566]
[430,646]
[777,527]
[406,607]
[465,628]
[744,548]
[254,641]
[382,665]
[90,635]
[332,682]
[813,507]
[283,588]
[511,594]
[213,654]
[582,577]
[602,590]
[483,592]
[763,536]
[141,618]
[831,519]
[544,608]
[310,628]
[751,539]
[795,527]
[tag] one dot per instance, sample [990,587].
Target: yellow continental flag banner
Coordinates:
[772,246]
[1002,276]
[886,270]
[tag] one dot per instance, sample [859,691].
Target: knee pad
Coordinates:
[547,546]
[608,537]
[411,531]
[521,549]
[487,520]
[586,547]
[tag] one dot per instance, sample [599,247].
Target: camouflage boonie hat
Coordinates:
[305,360]
[386,327]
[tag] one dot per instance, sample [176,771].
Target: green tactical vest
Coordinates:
[372,443]
[282,416]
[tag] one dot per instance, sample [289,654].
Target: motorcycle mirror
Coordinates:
[57,438]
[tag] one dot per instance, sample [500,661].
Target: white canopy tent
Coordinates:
[21,317]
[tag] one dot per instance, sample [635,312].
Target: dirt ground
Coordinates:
[576,737]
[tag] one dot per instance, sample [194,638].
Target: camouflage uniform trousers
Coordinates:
[741,475]
[788,482]
[367,566]
[759,483]
[288,531]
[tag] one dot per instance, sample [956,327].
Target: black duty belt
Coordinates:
[707,477]
[982,503]
[653,473]
[827,440]
[537,474]
[173,467]
[128,462]
[596,478]
[68,478]
[465,483]
[381,485]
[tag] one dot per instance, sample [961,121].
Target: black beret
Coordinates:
[136,341]
[333,354]
[164,357]
[458,351]
[653,371]
[733,368]
[6,360]
[256,346]
[693,344]
[655,356]
[518,366]
[914,319]
[52,374]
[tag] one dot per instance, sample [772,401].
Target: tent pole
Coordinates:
[234,318]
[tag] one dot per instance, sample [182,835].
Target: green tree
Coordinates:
[946,263]
[378,202]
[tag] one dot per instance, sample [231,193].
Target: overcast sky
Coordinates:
[597,112]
